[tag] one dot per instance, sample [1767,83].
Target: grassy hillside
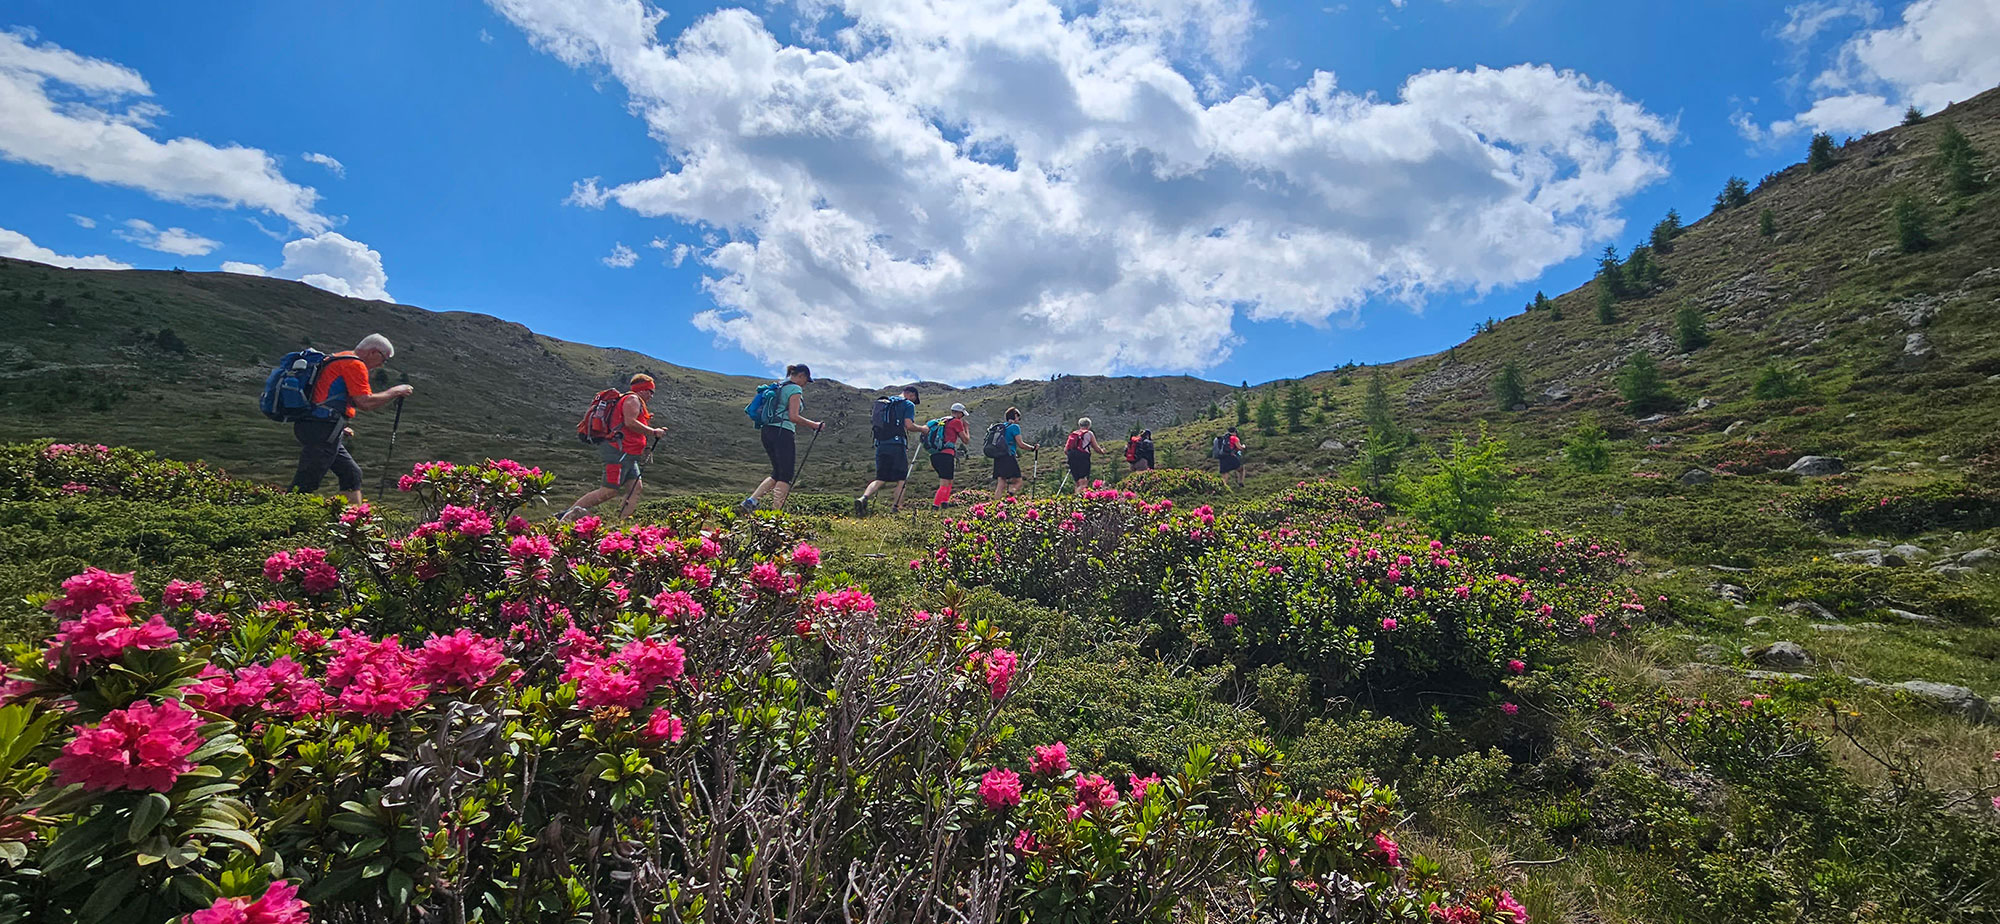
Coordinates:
[174,361]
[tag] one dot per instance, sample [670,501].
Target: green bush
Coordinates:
[1642,386]
[1819,156]
[1509,391]
[1856,591]
[1776,381]
[1734,193]
[1911,224]
[1586,448]
[1690,330]
[1177,483]
[1845,509]
[1463,492]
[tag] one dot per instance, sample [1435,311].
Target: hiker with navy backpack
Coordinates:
[318,394]
[619,424]
[778,410]
[891,420]
[944,439]
[1227,451]
[1139,451]
[1003,445]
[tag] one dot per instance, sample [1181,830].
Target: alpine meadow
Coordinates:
[1673,597]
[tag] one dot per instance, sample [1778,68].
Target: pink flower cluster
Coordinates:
[58,450]
[849,600]
[767,576]
[142,746]
[422,471]
[1000,666]
[1050,760]
[103,629]
[373,677]
[805,556]
[663,727]
[677,606]
[281,688]
[279,904]
[1000,789]
[461,660]
[625,679]
[314,573]
[182,593]
[531,550]
[1093,792]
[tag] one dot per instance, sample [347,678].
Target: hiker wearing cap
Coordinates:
[1139,451]
[778,429]
[1004,444]
[893,419]
[619,425]
[1082,444]
[339,390]
[945,437]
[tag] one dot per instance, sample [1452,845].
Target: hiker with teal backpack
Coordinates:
[778,410]
[1003,445]
[318,394]
[893,418]
[944,439]
[618,424]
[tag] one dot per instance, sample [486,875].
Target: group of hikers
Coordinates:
[319,393]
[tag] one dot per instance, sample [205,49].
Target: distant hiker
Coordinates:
[1081,445]
[779,410]
[1003,445]
[319,394]
[944,439]
[892,420]
[618,424]
[1227,450]
[1139,451]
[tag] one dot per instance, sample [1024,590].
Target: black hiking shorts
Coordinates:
[782,446]
[322,449]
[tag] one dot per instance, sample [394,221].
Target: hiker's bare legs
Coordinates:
[763,488]
[353,497]
[779,492]
[897,504]
[631,501]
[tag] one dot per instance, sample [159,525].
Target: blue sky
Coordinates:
[944,189]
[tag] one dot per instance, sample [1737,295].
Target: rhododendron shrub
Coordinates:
[1311,579]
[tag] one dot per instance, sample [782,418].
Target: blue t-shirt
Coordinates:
[1013,434]
[900,410]
[785,405]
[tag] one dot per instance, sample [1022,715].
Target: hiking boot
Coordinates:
[748,505]
[861,506]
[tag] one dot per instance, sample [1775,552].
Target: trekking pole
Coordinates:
[801,467]
[382,487]
[1038,473]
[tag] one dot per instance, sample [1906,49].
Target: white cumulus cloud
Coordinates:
[962,190]
[91,118]
[622,257]
[17,245]
[83,221]
[327,160]
[330,261]
[1938,52]
[179,241]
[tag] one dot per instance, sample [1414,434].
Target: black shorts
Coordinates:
[322,449]
[892,462]
[783,447]
[1007,468]
[944,464]
[1079,464]
[1231,463]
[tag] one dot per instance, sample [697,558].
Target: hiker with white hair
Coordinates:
[1082,444]
[339,387]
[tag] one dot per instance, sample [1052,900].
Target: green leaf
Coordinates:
[355,824]
[108,895]
[146,816]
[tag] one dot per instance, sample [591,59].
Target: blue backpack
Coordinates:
[765,407]
[288,391]
[934,436]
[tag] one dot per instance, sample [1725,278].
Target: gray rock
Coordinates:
[1980,560]
[1909,552]
[1778,654]
[1775,675]
[1695,476]
[1917,349]
[1818,465]
[1656,418]
[1809,608]
[1703,404]
[1757,621]
[1731,592]
[1711,654]
[1333,446]
[1869,557]
[1916,618]
[1556,394]
[1953,572]
[1893,560]
[1831,627]
[1954,699]
[1732,428]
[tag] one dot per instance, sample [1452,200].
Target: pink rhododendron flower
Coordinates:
[677,606]
[371,677]
[586,526]
[1454,914]
[319,578]
[1140,784]
[469,522]
[805,556]
[708,549]
[1093,791]
[1387,848]
[142,746]
[599,687]
[1505,904]
[1025,842]
[1229,619]
[308,641]
[1509,708]
[664,726]
[766,575]
[531,549]
[104,634]
[181,593]
[278,905]
[1000,665]
[462,659]
[1050,760]
[1517,665]
[1388,623]
[1000,789]
[701,575]
[210,623]
[92,589]
[652,662]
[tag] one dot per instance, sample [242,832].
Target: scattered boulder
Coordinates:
[1702,404]
[1953,572]
[1870,557]
[1731,593]
[1908,552]
[1756,622]
[1695,476]
[1811,466]
[1774,675]
[1809,608]
[1980,560]
[1916,618]
[1778,654]
[1732,428]
[1711,654]
[1831,627]
[1947,697]
[1917,349]
[1556,394]
[1656,418]
[1333,446]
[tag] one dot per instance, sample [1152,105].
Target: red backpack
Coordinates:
[1075,443]
[600,423]
[1132,449]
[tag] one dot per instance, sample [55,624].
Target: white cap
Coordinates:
[960,408]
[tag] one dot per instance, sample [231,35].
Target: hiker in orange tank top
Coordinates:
[342,388]
[631,426]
